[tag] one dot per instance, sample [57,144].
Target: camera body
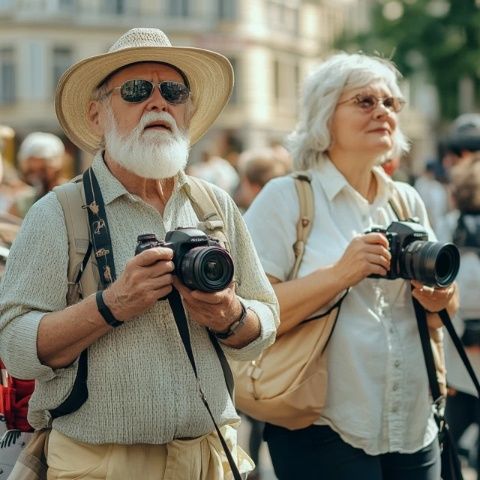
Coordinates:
[415,258]
[200,262]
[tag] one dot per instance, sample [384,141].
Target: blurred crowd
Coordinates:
[37,167]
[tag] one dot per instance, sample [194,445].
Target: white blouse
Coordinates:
[378,395]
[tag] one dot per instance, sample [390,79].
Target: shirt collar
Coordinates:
[333,182]
[112,188]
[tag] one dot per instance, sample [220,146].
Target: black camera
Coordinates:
[415,258]
[200,262]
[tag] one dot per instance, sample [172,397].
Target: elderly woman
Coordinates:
[377,422]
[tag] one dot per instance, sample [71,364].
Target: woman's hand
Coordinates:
[433,299]
[365,255]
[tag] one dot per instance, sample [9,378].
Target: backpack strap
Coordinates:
[303,184]
[399,205]
[83,278]
[211,221]
[207,208]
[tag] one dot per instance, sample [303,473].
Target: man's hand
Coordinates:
[214,310]
[147,277]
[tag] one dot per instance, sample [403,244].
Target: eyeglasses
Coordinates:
[368,103]
[137,91]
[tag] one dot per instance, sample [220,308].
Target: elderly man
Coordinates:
[138,108]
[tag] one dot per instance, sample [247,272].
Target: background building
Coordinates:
[271,44]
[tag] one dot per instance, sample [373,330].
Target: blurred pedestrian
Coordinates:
[9,224]
[434,194]
[377,422]
[257,167]
[216,170]
[462,141]
[41,161]
[462,226]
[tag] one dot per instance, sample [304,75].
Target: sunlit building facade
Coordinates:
[271,44]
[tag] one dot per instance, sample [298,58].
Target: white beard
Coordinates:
[149,154]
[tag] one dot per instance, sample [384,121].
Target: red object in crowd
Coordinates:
[14,397]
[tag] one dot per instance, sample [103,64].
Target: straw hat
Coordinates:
[209,74]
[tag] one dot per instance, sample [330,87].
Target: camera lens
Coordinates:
[432,263]
[209,269]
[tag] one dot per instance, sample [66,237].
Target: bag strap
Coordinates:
[303,185]
[207,208]
[399,205]
[72,199]
[82,269]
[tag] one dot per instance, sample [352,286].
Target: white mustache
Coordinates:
[151,117]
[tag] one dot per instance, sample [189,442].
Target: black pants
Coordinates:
[317,452]
[462,411]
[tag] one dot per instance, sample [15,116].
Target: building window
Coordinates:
[179,8]
[66,5]
[283,14]
[286,75]
[62,59]
[116,7]
[7,76]
[276,80]
[227,9]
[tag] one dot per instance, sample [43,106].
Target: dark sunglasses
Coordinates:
[368,103]
[136,91]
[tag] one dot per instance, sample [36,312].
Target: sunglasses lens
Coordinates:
[135,91]
[174,92]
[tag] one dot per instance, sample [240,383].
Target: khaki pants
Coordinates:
[198,459]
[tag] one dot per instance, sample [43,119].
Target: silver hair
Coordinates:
[311,139]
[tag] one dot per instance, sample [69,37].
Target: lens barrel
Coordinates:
[209,269]
[431,263]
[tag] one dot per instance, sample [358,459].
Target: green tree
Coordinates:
[442,37]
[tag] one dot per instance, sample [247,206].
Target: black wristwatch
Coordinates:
[234,326]
[105,312]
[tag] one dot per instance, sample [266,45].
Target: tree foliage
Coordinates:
[440,36]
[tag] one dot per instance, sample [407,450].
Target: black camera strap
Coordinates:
[99,231]
[182,324]
[450,463]
[102,247]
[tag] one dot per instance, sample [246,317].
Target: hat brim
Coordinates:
[209,73]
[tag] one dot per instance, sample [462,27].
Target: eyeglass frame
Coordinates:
[378,100]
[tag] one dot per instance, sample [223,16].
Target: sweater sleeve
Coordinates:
[34,283]
[253,286]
